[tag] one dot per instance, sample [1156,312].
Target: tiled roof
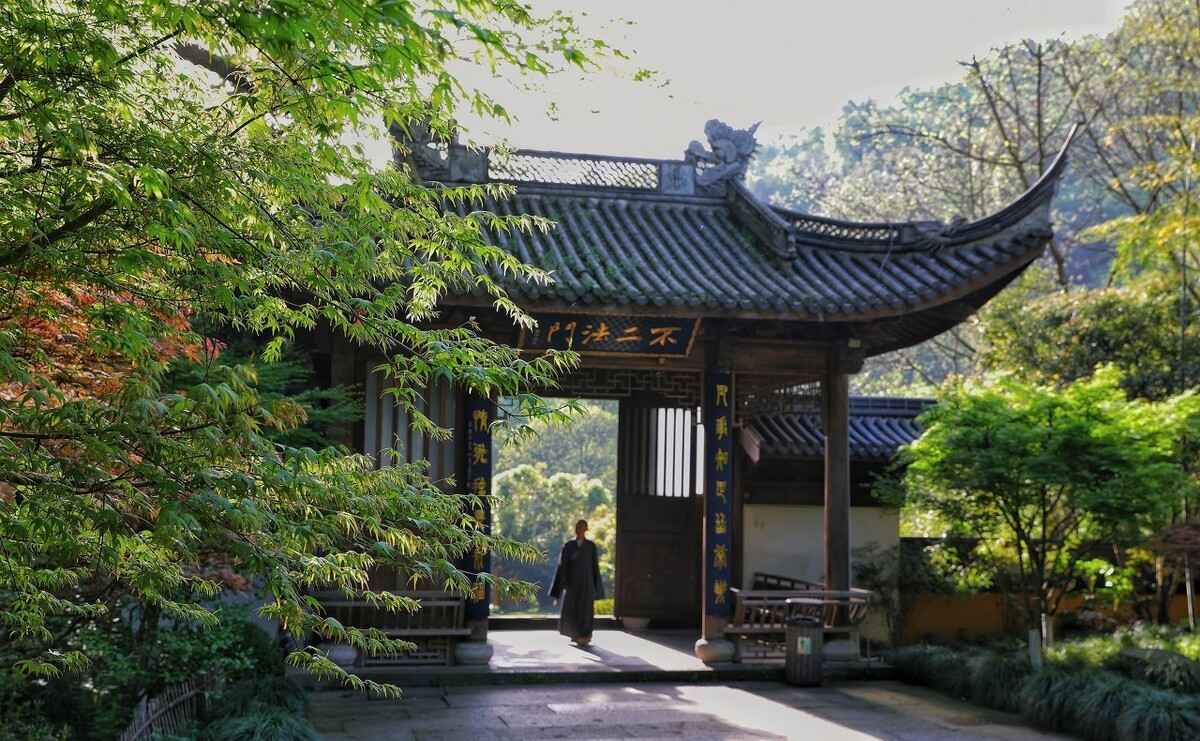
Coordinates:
[878,427]
[637,250]
[645,233]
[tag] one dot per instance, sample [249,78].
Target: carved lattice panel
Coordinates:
[675,386]
[846,230]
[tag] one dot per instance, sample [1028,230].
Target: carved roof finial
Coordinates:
[727,156]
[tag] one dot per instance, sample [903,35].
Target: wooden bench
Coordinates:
[760,616]
[435,628]
[759,621]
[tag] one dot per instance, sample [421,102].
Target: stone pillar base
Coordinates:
[715,650]
[472,652]
[629,623]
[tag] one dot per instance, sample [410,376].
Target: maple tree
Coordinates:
[166,166]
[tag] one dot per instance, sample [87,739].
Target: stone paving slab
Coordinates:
[610,649]
[758,710]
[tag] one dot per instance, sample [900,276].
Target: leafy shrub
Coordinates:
[604,606]
[23,717]
[97,702]
[126,667]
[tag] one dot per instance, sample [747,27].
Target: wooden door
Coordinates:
[658,514]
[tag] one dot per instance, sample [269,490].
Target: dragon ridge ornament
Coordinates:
[727,156]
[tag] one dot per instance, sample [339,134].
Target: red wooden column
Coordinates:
[718,517]
[835,397]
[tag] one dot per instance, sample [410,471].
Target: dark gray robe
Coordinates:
[577,583]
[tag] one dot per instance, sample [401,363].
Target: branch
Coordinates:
[98,208]
[6,85]
[897,130]
[131,55]
[989,95]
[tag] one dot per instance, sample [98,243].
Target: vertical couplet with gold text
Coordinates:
[718,489]
[479,488]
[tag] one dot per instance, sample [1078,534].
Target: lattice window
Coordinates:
[574,169]
[666,452]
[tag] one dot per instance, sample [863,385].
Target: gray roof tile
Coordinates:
[879,426]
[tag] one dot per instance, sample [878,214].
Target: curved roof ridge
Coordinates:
[925,236]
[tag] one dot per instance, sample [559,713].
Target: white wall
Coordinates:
[787,540]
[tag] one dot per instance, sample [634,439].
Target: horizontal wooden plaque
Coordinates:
[617,335]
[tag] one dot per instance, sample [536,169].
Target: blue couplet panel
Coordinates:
[718,490]
[479,411]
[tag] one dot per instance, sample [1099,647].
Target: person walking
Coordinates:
[577,584]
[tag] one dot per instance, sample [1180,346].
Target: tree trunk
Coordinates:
[147,639]
[1166,581]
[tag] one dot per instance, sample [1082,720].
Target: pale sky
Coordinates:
[788,64]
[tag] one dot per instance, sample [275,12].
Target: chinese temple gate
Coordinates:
[728,328]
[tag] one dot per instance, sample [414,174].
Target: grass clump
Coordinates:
[270,708]
[1086,688]
[994,677]
[250,695]
[264,724]
[1158,714]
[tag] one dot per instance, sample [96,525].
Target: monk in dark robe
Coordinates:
[577,584]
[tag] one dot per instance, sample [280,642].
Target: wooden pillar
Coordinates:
[478,412]
[718,526]
[835,396]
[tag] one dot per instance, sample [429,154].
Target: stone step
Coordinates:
[722,673]
[544,622]
[470,677]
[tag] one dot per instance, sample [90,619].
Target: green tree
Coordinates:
[540,510]
[1063,337]
[169,165]
[1035,473]
[795,171]
[585,444]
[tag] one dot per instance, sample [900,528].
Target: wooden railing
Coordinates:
[434,628]
[167,713]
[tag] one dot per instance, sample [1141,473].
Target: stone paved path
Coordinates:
[864,710]
[611,650]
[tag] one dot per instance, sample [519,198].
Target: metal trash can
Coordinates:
[805,636]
